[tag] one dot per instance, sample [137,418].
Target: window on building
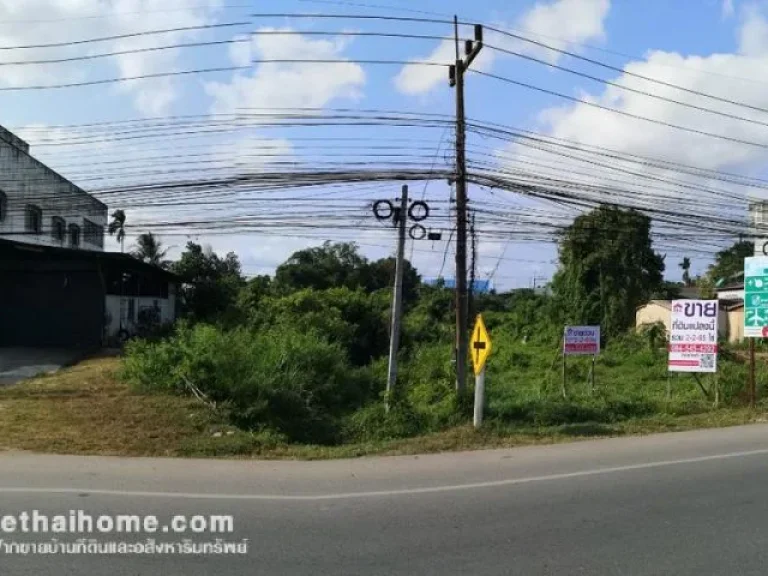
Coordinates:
[3,205]
[58,229]
[94,234]
[74,235]
[33,221]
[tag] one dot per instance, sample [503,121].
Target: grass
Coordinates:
[86,410]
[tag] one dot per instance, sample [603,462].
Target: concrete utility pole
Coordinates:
[457,71]
[397,295]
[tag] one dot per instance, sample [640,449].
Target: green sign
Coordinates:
[756,297]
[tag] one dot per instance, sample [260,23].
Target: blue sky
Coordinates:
[715,46]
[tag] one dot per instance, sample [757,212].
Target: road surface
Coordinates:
[685,504]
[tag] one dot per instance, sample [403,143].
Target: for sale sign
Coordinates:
[693,336]
[581,341]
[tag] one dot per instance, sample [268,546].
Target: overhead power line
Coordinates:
[124,36]
[625,72]
[621,112]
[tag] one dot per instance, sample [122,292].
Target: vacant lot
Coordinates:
[86,410]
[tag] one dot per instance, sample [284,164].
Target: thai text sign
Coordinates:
[693,336]
[756,297]
[581,341]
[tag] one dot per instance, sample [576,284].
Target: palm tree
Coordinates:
[150,250]
[117,226]
[686,266]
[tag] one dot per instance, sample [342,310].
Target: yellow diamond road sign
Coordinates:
[480,346]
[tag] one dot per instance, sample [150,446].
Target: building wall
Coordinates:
[736,325]
[123,312]
[730,325]
[51,308]
[731,295]
[25,180]
[652,313]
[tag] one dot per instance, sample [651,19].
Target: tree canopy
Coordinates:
[211,284]
[335,265]
[729,263]
[117,227]
[149,249]
[607,268]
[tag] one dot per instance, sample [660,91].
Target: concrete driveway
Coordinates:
[17,364]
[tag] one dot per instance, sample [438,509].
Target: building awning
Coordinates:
[18,256]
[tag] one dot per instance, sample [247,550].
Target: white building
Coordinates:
[758,225]
[39,206]
[58,287]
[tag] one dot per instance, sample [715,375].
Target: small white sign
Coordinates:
[581,341]
[693,336]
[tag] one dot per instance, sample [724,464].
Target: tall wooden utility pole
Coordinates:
[472,49]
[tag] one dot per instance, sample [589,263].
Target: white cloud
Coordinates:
[565,22]
[727,8]
[572,21]
[753,35]
[726,75]
[288,85]
[417,79]
[49,21]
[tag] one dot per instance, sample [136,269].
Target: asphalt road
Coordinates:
[684,504]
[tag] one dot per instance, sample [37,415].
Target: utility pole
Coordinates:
[397,295]
[456,77]
[472,269]
[752,389]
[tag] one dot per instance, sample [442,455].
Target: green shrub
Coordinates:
[558,412]
[373,423]
[355,319]
[429,384]
[287,380]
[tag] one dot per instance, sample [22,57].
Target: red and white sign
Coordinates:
[581,341]
[693,336]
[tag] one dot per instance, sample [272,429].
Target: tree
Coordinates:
[331,265]
[381,275]
[355,319]
[607,268]
[686,266]
[117,227]
[210,283]
[336,265]
[150,250]
[254,291]
[729,263]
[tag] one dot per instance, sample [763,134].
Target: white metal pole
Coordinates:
[479,398]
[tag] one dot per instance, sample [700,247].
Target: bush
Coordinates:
[559,412]
[286,380]
[356,320]
[373,423]
[429,383]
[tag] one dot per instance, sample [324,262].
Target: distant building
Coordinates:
[479,286]
[732,291]
[39,206]
[758,223]
[730,323]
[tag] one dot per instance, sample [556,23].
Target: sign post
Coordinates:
[480,347]
[755,311]
[693,336]
[581,341]
[755,296]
